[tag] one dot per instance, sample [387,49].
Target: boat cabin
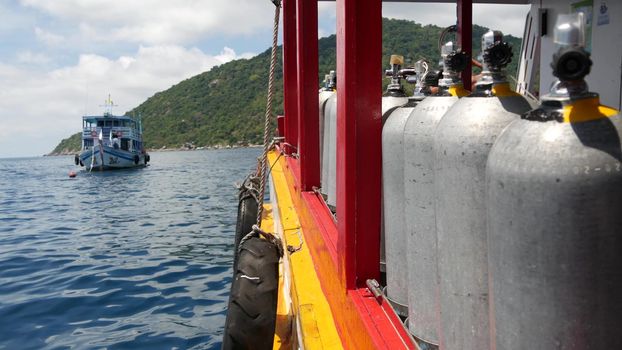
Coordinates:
[120,132]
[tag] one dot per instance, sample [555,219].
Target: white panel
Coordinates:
[607,54]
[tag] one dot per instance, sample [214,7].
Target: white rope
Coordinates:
[266,131]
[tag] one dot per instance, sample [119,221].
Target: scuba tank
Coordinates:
[329,153]
[554,182]
[462,141]
[419,239]
[328,141]
[393,234]
[327,91]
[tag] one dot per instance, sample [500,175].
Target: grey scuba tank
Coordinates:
[418,240]
[326,92]
[462,141]
[554,182]
[393,234]
[328,175]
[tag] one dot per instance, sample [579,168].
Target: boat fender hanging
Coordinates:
[248,205]
[251,315]
[76,159]
[81,164]
[136,159]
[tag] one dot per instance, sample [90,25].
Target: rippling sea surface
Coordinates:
[127,259]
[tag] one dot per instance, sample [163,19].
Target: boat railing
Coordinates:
[124,132]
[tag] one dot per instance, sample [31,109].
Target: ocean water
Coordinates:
[128,259]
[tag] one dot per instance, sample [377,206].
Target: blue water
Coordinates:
[129,259]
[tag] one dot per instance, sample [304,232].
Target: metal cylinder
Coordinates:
[394,237]
[328,178]
[555,230]
[463,139]
[323,98]
[419,238]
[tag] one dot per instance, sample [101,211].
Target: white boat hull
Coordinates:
[112,159]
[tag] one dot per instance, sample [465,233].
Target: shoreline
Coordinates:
[166,149]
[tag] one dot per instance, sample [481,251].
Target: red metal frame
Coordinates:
[308,128]
[465,35]
[290,75]
[359,127]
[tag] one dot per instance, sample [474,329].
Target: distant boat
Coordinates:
[111,142]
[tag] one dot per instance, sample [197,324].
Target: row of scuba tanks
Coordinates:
[501,216]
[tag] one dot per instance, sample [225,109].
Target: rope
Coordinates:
[266,130]
[267,145]
[256,232]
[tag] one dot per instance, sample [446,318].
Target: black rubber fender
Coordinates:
[136,159]
[147,158]
[76,159]
[248,207]
[251,315]
[81,164]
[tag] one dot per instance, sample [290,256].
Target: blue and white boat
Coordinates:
[111,142]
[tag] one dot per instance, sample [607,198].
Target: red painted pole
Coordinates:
[465,34]
[280,125]
[290,75]
[308,106]
[359,67]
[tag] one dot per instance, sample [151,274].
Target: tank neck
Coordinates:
[567,93]
[492,76]
[449,79]
[570,90]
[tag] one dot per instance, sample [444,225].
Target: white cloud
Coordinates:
[158,22]
[510,19]
[29,57]
[48,38]
[227,54]
[43,107]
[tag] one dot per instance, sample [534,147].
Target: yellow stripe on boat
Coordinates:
[314,320]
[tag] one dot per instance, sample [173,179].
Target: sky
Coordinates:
[60,59]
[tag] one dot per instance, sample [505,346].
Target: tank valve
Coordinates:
[496,54]
[457,61]
[332,80]
[572,61]
[326,81]
[395,87]
[432,78]
[499,55]
[453,61]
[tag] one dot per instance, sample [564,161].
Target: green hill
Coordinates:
[226,104]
